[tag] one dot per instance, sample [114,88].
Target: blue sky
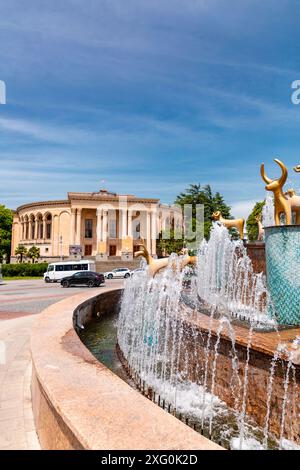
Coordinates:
[147,96]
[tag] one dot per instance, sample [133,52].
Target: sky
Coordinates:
[146,97]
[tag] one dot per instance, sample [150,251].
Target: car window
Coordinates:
[77,274]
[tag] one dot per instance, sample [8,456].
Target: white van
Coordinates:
[57,271]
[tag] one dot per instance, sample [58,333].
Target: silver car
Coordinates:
[118,273]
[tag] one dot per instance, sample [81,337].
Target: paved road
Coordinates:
[20,302]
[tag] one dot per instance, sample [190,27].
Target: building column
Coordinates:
[72,232]
[101,232]
[153,232]
[124,224]
[44,227]
[78,227]
[30,229]
[148,232]
[99,227]
[104,225]
[129,224]
[36,227]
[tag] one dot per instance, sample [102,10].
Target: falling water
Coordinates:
[155,326]
[268,212]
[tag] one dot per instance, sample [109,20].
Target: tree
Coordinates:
[6,219]
[252,228]
[168,244]
[21,252]
[194,195]
[33,253]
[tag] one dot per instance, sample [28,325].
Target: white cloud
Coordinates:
[45,132]
[242,208]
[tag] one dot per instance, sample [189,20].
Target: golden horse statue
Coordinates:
[281,203]
[230,223]
[156,265]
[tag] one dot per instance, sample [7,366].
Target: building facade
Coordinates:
[102,225]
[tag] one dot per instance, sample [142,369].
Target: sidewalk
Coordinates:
[17,430]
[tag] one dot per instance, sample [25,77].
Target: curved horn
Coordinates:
[284,175]
[263,174]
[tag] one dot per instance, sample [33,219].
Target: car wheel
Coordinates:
[91,283]
[126,275]
[65,284]
[47,279]
[110,276]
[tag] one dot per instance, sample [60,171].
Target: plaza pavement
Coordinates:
[20,302]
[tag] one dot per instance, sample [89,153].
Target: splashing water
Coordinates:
[268,212]
[159,342]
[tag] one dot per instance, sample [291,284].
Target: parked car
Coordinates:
[83,278]
[137,271]
[118,273]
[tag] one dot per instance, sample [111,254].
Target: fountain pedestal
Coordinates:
[282,245]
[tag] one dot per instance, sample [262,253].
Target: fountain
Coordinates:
[212,342]
[197,350]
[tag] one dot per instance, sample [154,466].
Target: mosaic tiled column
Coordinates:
[283,271]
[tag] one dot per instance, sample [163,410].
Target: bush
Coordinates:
[24,269]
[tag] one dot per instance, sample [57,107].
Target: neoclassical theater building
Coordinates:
[102,224]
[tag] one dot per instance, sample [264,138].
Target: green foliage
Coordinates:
[33,253]
[21,252]
[24,269]
[193,195]
[252,228]
[196,194]
[166,246]
[6,219]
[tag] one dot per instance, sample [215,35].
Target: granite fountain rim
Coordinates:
[68,382]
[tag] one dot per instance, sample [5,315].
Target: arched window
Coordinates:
[48,226]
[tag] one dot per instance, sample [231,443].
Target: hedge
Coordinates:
[24,269]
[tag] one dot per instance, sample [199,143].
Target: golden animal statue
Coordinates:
[156,265]
[261,230]
[281,204]
[294,202]
[230,223]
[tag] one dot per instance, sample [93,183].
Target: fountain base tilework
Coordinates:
[283,272]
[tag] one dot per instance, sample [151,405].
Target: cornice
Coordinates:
[42,204]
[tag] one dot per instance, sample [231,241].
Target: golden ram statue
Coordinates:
[294,202]
[230,223]
[281,203]
[156,265]
[261,230]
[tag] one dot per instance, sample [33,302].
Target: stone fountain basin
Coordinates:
[80,404]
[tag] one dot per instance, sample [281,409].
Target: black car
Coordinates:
[86,278]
